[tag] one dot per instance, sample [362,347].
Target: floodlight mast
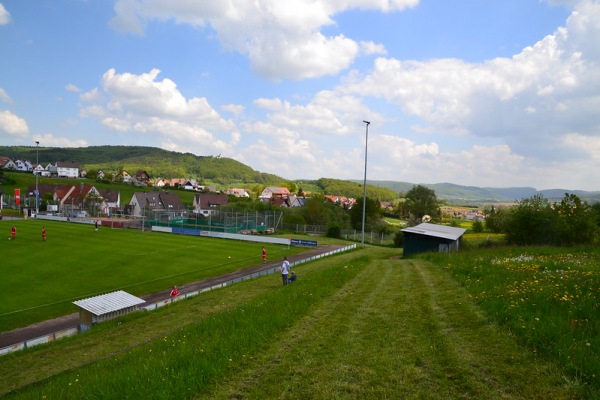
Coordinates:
[37,162]
[362,242]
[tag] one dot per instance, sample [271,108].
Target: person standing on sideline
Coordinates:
[44,233]
[174,292]
[285,269]
[13,232]
[264,255]
[96,225]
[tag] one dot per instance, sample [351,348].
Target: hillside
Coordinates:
[226,172]
[156,162]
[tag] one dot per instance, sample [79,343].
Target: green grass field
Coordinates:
[40,280]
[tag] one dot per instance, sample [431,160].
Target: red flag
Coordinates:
[17,196]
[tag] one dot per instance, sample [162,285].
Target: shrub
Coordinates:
[477,226]
[398,239]
[334,231]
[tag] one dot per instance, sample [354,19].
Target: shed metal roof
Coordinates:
[110,302]
[441,231]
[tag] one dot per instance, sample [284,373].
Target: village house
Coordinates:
[7,163]
[271,193]
[208,203]
[297,201]
[143,203]
[39,170]
[344,202]
[75,198]
[111,201]
[23,165]
[142,178]
[237,192]
[62,170]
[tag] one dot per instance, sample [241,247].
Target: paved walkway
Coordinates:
[72,320]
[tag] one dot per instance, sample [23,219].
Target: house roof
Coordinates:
[441,231]
[278,190]
[63,164]
[206,200]
[109,195]
[159,200]
[110,302]
[4,161]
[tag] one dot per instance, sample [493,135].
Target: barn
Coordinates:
[428,237]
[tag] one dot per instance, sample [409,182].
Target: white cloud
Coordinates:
[72,88]
[370,48]
[12,124]
[235,109]
[142,104]
[4,15]
[530,98]
[282,39]
[5,97]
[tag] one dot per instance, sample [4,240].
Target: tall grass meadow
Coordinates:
[548,297]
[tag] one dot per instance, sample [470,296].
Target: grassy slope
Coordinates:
[352,327]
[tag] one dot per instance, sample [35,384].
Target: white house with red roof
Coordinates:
[272,192]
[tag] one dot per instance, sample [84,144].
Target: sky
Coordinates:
[495,93]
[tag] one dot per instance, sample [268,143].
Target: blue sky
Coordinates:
[496,93]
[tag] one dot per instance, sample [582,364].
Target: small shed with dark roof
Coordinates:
[428,237]
[104,307]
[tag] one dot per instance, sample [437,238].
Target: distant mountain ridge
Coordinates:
[226,171]
[471,194]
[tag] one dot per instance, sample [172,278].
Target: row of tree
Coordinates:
[537,221]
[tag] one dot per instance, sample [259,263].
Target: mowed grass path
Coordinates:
[400,330]
[358,325]
[40,280]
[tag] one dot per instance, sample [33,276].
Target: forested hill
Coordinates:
[156,162]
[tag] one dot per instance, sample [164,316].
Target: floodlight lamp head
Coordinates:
[366,122]
[36,142]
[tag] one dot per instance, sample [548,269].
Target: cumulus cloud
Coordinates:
[12,124]
[533,97]
[4,15]
[145,105]
[282,39]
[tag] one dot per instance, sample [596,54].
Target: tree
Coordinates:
[320,211]
[421,201]
[291,186]
[575,223]
[496,219]
[535,221]
[531,222]
[477,226]
[372,214]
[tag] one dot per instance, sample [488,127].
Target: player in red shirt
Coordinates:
[174,292]
[44,233]
[264,255]
[13,232]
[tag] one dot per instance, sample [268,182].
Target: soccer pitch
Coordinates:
[41,279]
